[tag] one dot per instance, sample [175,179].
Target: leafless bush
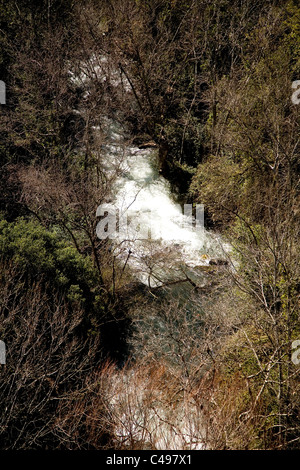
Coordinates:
[48,357]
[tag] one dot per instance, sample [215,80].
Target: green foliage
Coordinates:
[41,254]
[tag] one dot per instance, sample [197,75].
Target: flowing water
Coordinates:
[158,237]
[160,240]
[162,244]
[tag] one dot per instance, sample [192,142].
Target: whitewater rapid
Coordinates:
[148,227]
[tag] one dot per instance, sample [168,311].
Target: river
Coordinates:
[164,244]
[158,237]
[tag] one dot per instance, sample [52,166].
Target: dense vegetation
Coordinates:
[210,83]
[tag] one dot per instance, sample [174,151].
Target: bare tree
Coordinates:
[48,358]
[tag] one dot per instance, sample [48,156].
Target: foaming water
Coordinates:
[159,239]
[156,224]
